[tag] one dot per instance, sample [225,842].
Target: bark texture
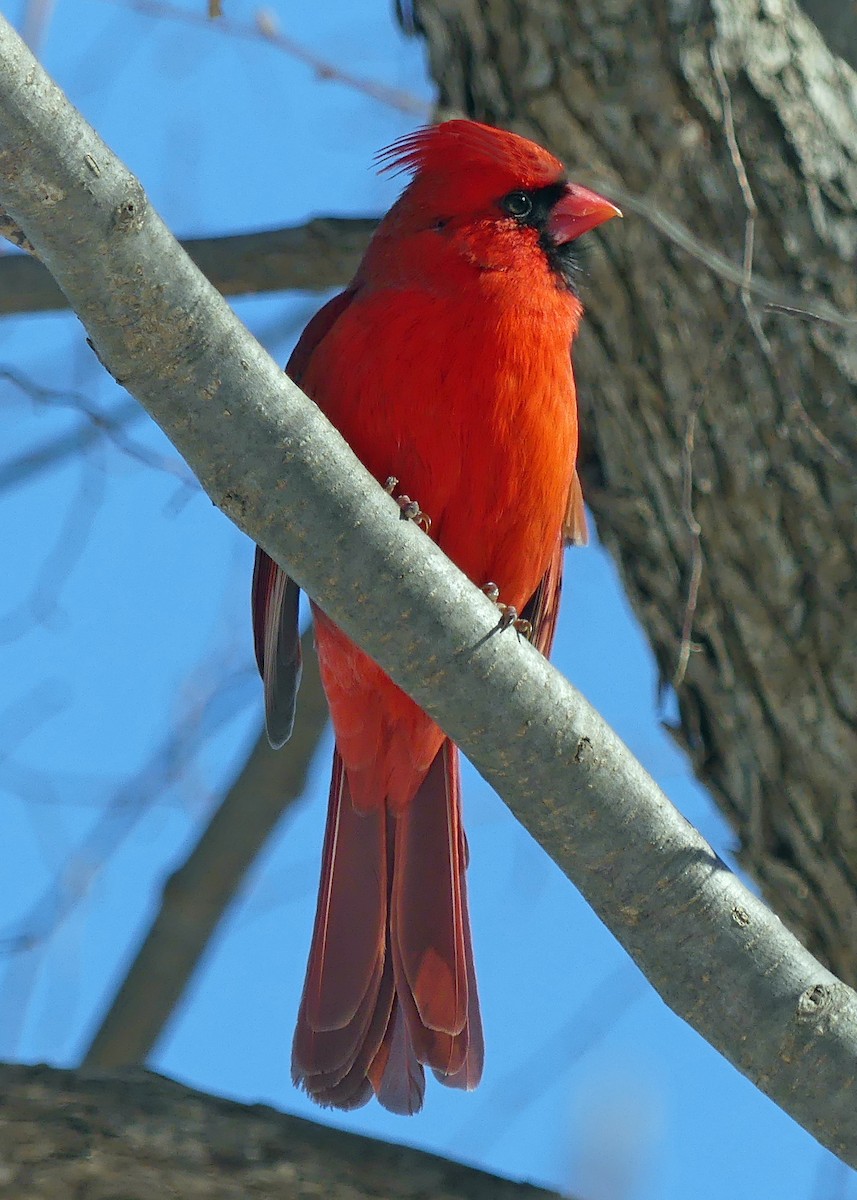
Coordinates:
[136,1136]
[629,93]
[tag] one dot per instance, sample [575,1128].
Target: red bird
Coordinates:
[445,364]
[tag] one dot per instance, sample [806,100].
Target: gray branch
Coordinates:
[268,458]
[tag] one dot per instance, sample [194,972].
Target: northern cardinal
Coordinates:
[446,366]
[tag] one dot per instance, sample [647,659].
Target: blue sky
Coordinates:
[124,617]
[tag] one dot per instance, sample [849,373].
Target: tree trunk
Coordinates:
[701,404]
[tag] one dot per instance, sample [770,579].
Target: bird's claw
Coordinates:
[409,509]
[509,618]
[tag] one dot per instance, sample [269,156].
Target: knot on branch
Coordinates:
[129,213]
[813,1001]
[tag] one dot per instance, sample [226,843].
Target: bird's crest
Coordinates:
[459,146]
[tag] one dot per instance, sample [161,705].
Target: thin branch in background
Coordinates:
[713,368]
[36,22]
[797,406]
[58,564]
[196,896]
[746,286]
[696,559]
[746,298]
[831,1179]
[801,314]
[741,174]
[29,713]
[724,268]
[56,450]
[167,764]
[586,1026]
[266,30]
[16,1000]
[20,721]
[103,424]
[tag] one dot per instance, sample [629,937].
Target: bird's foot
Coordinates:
[509,618]
[409,509]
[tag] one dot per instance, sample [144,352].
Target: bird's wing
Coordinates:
[275,596]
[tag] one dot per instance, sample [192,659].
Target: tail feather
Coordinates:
[353,1091]
[338,1015]
[397,1074]
[351,920]
[430,929]
[327,1056]
[390,982]
[467,1076]
[444,1052]
[427,922]
[356,1085]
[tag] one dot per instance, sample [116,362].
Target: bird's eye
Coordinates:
[517,204]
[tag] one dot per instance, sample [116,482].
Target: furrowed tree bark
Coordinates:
[670,364]
[268,458]
[138,1136]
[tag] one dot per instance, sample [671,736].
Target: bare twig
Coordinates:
[55,450]
[715,364]
[740,172]
[586,1025]
[60,558]
[36,22]
[724,268]
[168,763]
[749,287]
[696,562]
[108,425]
[266,30]
[197,894]
[746,287]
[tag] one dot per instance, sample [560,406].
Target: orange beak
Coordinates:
[577,211]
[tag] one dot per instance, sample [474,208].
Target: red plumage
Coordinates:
[445,364]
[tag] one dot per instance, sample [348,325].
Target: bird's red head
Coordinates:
[505,197]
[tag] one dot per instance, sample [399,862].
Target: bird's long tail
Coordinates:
[390,983]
